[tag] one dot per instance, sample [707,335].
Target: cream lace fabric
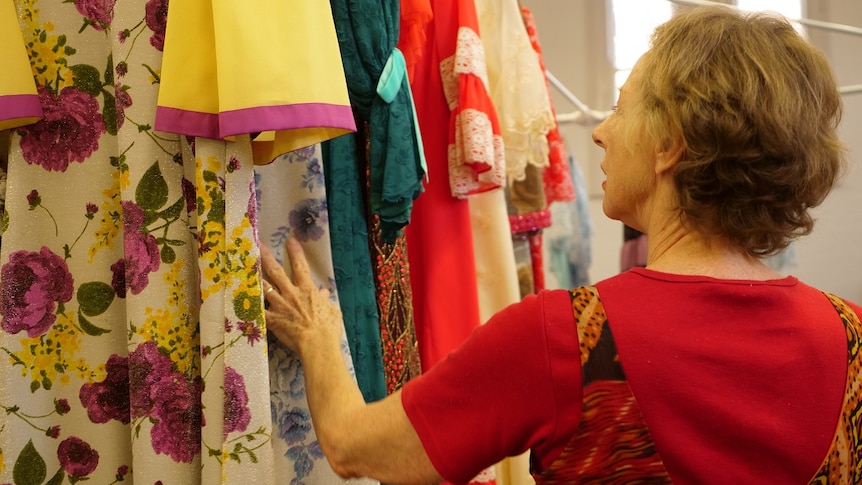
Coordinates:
[475,142]
[469,58]
[476,156]
[517,85]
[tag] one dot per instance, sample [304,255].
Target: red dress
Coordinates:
[463,149]
[439,237]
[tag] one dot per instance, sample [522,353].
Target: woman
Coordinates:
[705,366]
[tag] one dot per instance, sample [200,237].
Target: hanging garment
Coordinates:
[519,91]
[517,86]
[130,296]
[3,150]
[528,228]
[415,17]
[292,203]
[233,68]
[528,217]
[475,151]
[391,276]
[496,274]
[511,63]
[461,140]
[19,102]
[401,360]
[527,195]
[567,241]
[556,176]
[233,363]
[380,95]
[497,281]
[496,271]
[442,268]
[401,357]
[351,259]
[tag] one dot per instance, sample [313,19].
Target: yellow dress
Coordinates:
[19,103]
[220,78]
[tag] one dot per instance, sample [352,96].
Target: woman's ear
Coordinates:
[668,152]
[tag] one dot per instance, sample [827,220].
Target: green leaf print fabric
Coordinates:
[131,314]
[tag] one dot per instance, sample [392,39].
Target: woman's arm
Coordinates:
[373,440]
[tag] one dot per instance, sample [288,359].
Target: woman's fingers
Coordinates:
[272,270]
[268,293]
[298,313]
[301,272]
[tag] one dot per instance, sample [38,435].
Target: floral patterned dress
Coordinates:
[131,303]
[292,203]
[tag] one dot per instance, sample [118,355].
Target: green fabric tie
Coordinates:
[394,72]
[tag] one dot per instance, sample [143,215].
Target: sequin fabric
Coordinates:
[394,303]
[394,296]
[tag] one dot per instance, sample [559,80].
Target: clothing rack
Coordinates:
[819,24]
[584,115]
[844,29]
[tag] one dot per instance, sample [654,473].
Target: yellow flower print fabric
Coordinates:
[131,314]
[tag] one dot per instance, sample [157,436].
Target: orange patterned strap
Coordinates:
[843,464]
[612,444]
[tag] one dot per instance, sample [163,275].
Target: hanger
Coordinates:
[583,115]
[844,29]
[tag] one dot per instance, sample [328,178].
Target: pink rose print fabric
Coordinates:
[32,284]
[77,458]
[236,415]
[131,314]
[97,14]
[142,251]
[109,399]
[157,16]
[69,132]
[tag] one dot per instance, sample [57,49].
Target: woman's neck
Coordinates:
[681,251]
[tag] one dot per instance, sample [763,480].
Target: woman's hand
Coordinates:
[299,314]
[359,440]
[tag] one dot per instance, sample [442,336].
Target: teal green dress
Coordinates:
[380,96]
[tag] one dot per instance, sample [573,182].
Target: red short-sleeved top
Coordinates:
[727,374]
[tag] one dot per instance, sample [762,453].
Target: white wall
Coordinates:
[831,257]
[572,34]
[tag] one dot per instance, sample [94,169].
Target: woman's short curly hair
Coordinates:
[757,108]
